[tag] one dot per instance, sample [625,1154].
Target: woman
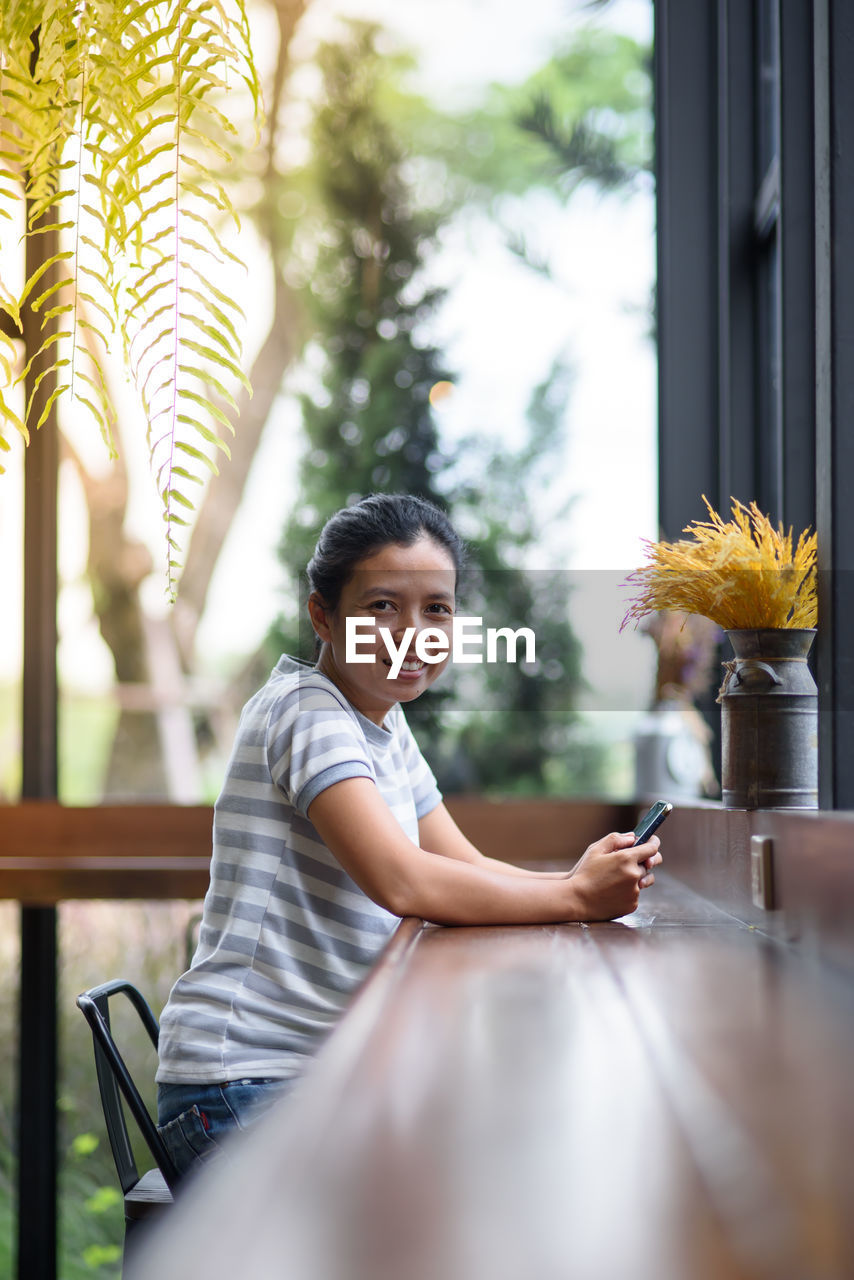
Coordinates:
[330,828]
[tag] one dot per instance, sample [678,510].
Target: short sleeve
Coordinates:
[313,742]
[425,790]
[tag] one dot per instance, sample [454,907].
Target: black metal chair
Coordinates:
[147,1194]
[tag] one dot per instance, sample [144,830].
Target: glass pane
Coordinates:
[498,356]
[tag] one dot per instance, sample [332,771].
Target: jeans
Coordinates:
[194,1119]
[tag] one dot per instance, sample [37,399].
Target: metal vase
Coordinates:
[769,721]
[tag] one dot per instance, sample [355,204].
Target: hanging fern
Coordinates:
[113,128]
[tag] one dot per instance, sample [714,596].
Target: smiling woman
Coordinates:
[330,827]
[406,588]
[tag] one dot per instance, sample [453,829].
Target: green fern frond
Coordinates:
[223,337]
[39,272]
[208,353]
[8,358]
[189,268]
[204,403]
[37,303]
[200,428]
[8,416]
[212,309]
[190,451]
[82,296]
[212,235]
[113,126]
[47,372]
[9,305]
[205,378]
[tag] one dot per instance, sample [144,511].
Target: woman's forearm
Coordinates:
[359,829]
[454,892]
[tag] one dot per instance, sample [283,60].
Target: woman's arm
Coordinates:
[354,821]
[439,833]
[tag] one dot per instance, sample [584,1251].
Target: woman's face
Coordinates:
[401,589]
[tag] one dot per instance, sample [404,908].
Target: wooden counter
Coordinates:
[662,1098]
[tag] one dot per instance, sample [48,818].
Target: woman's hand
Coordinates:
[609,876]
[654,860]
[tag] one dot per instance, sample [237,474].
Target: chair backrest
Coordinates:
[115,1082]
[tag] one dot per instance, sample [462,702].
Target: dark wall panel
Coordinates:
[687,318]
[797,179]
[736,302]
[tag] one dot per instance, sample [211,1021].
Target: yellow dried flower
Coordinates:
[743,574]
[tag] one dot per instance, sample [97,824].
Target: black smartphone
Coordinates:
[651,821]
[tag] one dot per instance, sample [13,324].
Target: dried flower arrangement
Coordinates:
[743,574]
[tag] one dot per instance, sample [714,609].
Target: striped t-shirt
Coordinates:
[286,934]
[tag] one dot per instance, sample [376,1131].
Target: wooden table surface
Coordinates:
[662,1098]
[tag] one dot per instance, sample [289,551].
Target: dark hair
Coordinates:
[374,522]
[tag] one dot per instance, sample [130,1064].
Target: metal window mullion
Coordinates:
[768,486]
[37,1072]
[797,266]
[687,318]
[736,250]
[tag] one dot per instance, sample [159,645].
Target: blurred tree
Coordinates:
[369,427]
[366,413]
[520,729]
[584,116]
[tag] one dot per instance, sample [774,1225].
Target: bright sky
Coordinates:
[501,327]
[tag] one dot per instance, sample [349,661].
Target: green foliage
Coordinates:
[586,113]
[104,1199]
[367,414]
[92,1212]
[97,1256]
[584,116]
[369,424]
[112,131]
[87,727]
[84,1144]
[517,733]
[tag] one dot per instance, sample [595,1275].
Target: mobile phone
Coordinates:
[651,821]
